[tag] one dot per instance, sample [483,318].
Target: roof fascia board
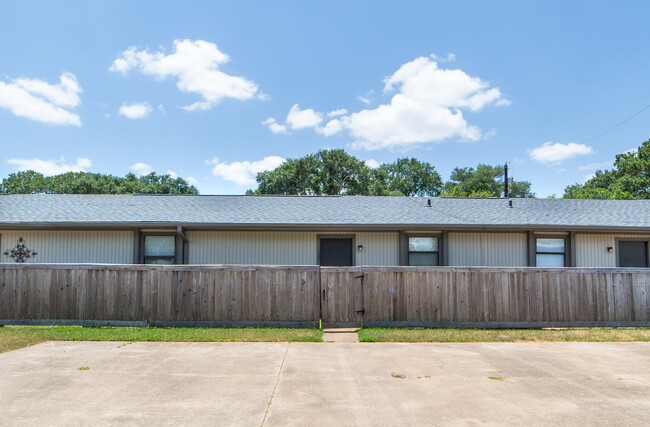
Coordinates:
[318,227]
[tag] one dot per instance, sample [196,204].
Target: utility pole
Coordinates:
[505,181]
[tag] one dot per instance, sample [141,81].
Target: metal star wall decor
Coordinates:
[20,253]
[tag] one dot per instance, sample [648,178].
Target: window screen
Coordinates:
[550,252]
[159,249]
[423,251]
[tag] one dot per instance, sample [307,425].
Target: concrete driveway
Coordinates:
[279,384]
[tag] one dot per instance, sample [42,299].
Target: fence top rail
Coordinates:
[316,268]
[461,269]
[150,267]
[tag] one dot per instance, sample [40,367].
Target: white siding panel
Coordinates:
[290,247]
[591,249]
[488,249]
[112,247]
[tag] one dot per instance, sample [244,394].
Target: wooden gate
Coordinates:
[341,296]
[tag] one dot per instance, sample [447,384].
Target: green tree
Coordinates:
[629,179]
[484,181]
[411,177]
[29,182]
[327,172]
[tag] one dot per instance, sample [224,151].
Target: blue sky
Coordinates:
[217,91]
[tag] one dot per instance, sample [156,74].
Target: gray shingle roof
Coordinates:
[303,211]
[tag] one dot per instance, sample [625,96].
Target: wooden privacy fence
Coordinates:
[485,297]
[159,295]
[238,295]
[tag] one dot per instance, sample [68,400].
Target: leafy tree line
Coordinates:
[334,172]
[629,179]
[29,182]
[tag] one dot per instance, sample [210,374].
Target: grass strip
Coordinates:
[504,335]
[13,337]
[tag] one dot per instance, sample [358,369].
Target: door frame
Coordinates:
[320,237]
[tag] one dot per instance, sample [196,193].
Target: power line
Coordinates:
[618,125]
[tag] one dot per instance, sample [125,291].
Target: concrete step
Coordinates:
[340,335]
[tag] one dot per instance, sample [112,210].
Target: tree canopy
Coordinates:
[334,172]
[484,181]
[29,182]
[327,172]
[629,179]
[411,177]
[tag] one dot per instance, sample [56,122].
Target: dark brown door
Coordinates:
[632,253]
[336,252]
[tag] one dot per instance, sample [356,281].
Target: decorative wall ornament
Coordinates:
[20,253]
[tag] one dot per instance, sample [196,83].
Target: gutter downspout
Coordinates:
[182,248]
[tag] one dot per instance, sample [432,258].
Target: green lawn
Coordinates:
[504,335]
[13,337]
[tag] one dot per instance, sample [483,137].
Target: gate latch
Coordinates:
[362,311]
[359,277]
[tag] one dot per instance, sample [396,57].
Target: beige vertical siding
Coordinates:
[378,249]
[591,249]
[488,249]
[114,247]
[289,248]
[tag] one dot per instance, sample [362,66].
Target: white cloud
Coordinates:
[42,102]
[450,57]
[161,108]
[367,98]
[426,107]
[372,163]
[138,110]
[595,166]
[173,175]
[243,173]
[331,128]
[503,102]
[300,119]
[274,126]
[363,99]
[51,167]
[141,168]
[555,153]
[196,65]
[336,113]
[489,134]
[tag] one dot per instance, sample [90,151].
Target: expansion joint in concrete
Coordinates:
[268,406]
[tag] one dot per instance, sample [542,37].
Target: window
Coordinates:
[550,252]
[423,251]
[159,249]
[632,253]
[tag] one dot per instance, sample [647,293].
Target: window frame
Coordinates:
[142,257]
[564,254]
[429,236]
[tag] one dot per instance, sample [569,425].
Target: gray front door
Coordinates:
[632,253]
[336,252]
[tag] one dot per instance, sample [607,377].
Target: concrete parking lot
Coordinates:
[278,384]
